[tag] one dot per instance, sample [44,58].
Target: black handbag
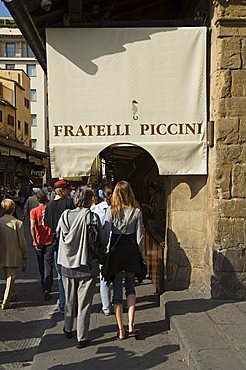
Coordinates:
[142,275]
[55,242]
[96,251]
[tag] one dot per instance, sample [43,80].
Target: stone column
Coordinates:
[227,159]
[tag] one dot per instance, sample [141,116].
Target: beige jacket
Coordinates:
[13,246]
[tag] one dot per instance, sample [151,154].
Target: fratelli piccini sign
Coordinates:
[132,86]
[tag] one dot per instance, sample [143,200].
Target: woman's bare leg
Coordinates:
[118,309]
[131,302]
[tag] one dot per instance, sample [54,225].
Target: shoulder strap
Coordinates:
[123,230]
[89,212]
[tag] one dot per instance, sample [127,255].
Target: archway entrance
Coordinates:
[131,163]
[135,165]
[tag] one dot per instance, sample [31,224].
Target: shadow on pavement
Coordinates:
[55,342]
[119,358]
[186,306]
[18,355]
[21,339]
[150,301]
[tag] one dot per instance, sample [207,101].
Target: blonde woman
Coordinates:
[122,218]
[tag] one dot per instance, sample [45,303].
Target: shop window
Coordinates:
[33,95]
[11,120]
[34,120]
[31,70]
[26,102]
[34,144]
[26,128]
[10,49]
[10,66]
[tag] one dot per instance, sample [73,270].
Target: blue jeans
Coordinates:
[118,286]
[60,285]
[105,295]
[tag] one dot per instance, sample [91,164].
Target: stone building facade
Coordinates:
[206,241]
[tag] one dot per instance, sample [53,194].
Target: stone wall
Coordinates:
[206,239]
[227,159]
[186,231]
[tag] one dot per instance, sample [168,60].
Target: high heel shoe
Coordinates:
[118,334]
[131,333]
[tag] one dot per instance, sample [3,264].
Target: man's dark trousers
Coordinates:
[45,264]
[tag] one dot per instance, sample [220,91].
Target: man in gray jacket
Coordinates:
[79,271]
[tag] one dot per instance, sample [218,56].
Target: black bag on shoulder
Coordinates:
[55,242]
[96,252]
[144,271]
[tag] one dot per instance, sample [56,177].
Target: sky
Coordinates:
[3,10]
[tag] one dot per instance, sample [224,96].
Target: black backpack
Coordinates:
[96,251]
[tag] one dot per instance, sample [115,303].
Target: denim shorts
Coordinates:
[118,286]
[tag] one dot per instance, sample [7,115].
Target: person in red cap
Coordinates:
[52,215]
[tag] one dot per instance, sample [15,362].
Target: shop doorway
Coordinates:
[130,163]
[135,165]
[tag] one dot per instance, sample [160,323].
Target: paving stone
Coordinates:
[217,359]
[227,314]
[208,331]
[242,352]
[199,332]
[235,334]
[241,306]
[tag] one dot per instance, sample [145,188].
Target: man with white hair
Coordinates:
[31,202]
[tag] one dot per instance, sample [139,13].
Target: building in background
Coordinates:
[19,163]
[15,107]
[15,53]
[30,127]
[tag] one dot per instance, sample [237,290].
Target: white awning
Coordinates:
[137,86]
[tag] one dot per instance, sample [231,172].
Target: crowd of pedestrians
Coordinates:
[59,222]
